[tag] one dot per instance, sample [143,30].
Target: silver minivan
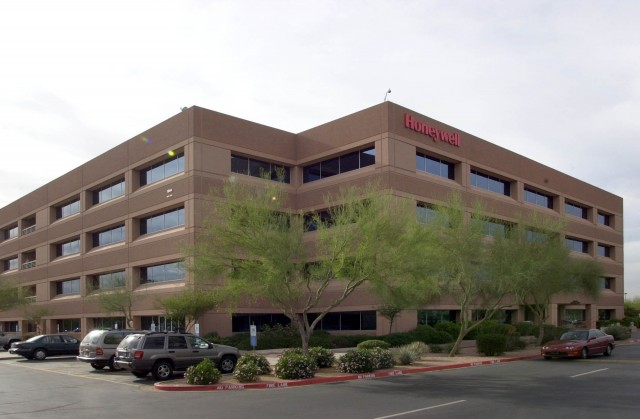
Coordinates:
[99,347]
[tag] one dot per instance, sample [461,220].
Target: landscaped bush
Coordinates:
[408,354]
[259,360]
[203,373]
[247,372]
[551,332]
[491,344]
[294,365]
[429,335]
[418,347]
[526,329]
[398,339]
[373,343]
[382,358]
[451,328]
[436,349]
[356,361]
[618,332]
[323,356]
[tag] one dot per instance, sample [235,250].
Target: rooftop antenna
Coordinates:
[183,108]
[385,95]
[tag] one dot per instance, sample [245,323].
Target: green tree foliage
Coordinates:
[252,246]
[534,256]
[119,301]
[390,312]
[189,305]
[10,296]
[464,264]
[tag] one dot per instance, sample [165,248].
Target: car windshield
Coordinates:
[92,337]
[130,342]
[575,335]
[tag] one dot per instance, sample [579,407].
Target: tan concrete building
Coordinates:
[126,213]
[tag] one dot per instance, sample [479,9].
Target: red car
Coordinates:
[579,343]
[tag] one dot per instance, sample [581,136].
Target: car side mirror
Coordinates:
[211,346]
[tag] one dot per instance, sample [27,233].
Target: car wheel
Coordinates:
[39,354]
[97,366]
[227,364]
[608,350]
[584,354]
[140,374]
[163,370]
[112,364]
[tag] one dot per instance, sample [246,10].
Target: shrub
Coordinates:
[526,329]
[436,349]
[551,332]
[418,347]
[356,361]
[491,344]
[247,372]
[618,332]
[293,365]
[428,334]
[203,373]
[373,343]
[259,360]
[451,328]
[382,358]
[324,357]
[408,354]
[398,339]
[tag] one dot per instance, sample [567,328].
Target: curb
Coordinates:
[322,380]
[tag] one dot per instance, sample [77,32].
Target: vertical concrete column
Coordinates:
[552,318]
[591,315]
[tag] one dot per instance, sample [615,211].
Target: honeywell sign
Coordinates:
[452,138]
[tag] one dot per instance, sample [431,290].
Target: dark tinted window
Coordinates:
[154,342]
[340,164]
[177,342]
[113,338]
[538,198]
[490,183]
[162,170]
[163,221]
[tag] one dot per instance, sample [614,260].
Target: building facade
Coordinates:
[122,219]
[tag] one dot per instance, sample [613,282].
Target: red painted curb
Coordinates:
[322,380]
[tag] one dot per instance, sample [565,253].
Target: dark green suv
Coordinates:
[162,353]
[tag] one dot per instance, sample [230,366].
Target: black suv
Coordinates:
[162,353]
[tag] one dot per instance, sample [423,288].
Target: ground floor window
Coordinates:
[68,325]
[161,324]
[432,317]
[346,320]
[9,326]
[109,323]
[573,316]
[606,314]
[240,322]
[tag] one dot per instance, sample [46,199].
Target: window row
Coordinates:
[258,168]
[334,321]
[168,166]
[164,272]
[441,167]
[148,225]
[340,164]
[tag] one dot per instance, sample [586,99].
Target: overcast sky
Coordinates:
[555,81]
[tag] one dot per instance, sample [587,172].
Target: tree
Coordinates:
[190,305]
[252,246]
[119,301]
[535,257]
[465,265]
[390,312]
[35,314]
[10,296]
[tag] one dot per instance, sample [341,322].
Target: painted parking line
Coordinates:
[587,373]
[419,410]
[80,371]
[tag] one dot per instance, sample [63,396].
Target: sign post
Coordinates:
[253,336]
